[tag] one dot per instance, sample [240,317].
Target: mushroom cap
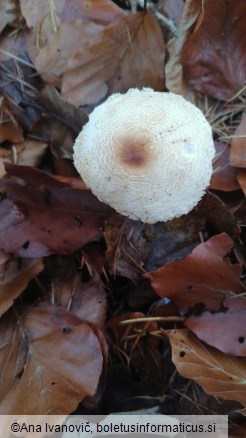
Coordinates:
[147,154]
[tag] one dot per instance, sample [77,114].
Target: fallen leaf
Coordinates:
[73,182]
[134,247]
[205,403]
[238,146]
[49,352]
[213,56]
[15,279]
[11,132]
[218,215]
[60,123]
[102,12]
[10,215]
[61,46]
[11,43]
[202,278]
[173,68]
[219,374]
[87,300]
[30,153]
[241,177]
[42,18]
[224,330]
[50,218]
[224,176]
[9,13]
[127,53]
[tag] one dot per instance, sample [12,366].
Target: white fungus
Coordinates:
[147,154]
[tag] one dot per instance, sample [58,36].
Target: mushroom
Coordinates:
[147,154]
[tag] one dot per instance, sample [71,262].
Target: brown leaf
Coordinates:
[219,215]
[11,132]
[213,56]
[201,278]
[241,177]
[173,69]
[219,374]
[73,182]
[15,280]
[42,18]
[224,176]
[61,46]
[10,215]
[127,53]
[60,123]
[87,300]
[133,247]
[224,330]
[49,352]
[55,217]
[238,146]
[72,117]
[9,13]
[30,153]
[103,11]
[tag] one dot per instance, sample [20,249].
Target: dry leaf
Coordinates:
[87,300]
[10,215]
[43,18]
[99,11]
[219,215]
[30,153]
[61,46]
[15,279]
[61,122]
[202,278]
[127,53]
[11,132]
[9,13]
[50,353]
[241,177]
[173,69]
[49,218]
[224,176]
[219,374]
[213,57]
[238,146]
[224,330]
[133,247]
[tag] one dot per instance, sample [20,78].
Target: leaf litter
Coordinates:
[79,284]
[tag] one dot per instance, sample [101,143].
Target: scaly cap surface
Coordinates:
[147,154]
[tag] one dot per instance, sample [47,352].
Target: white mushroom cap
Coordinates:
[147,154]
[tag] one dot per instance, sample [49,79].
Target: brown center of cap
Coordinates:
[134,153]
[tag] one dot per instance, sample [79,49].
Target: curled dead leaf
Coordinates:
[50,352]
[127,53]
[238,146]
[50,216]
[225,329]
[202,278]
[219,374]
[213,56]
[16,277]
